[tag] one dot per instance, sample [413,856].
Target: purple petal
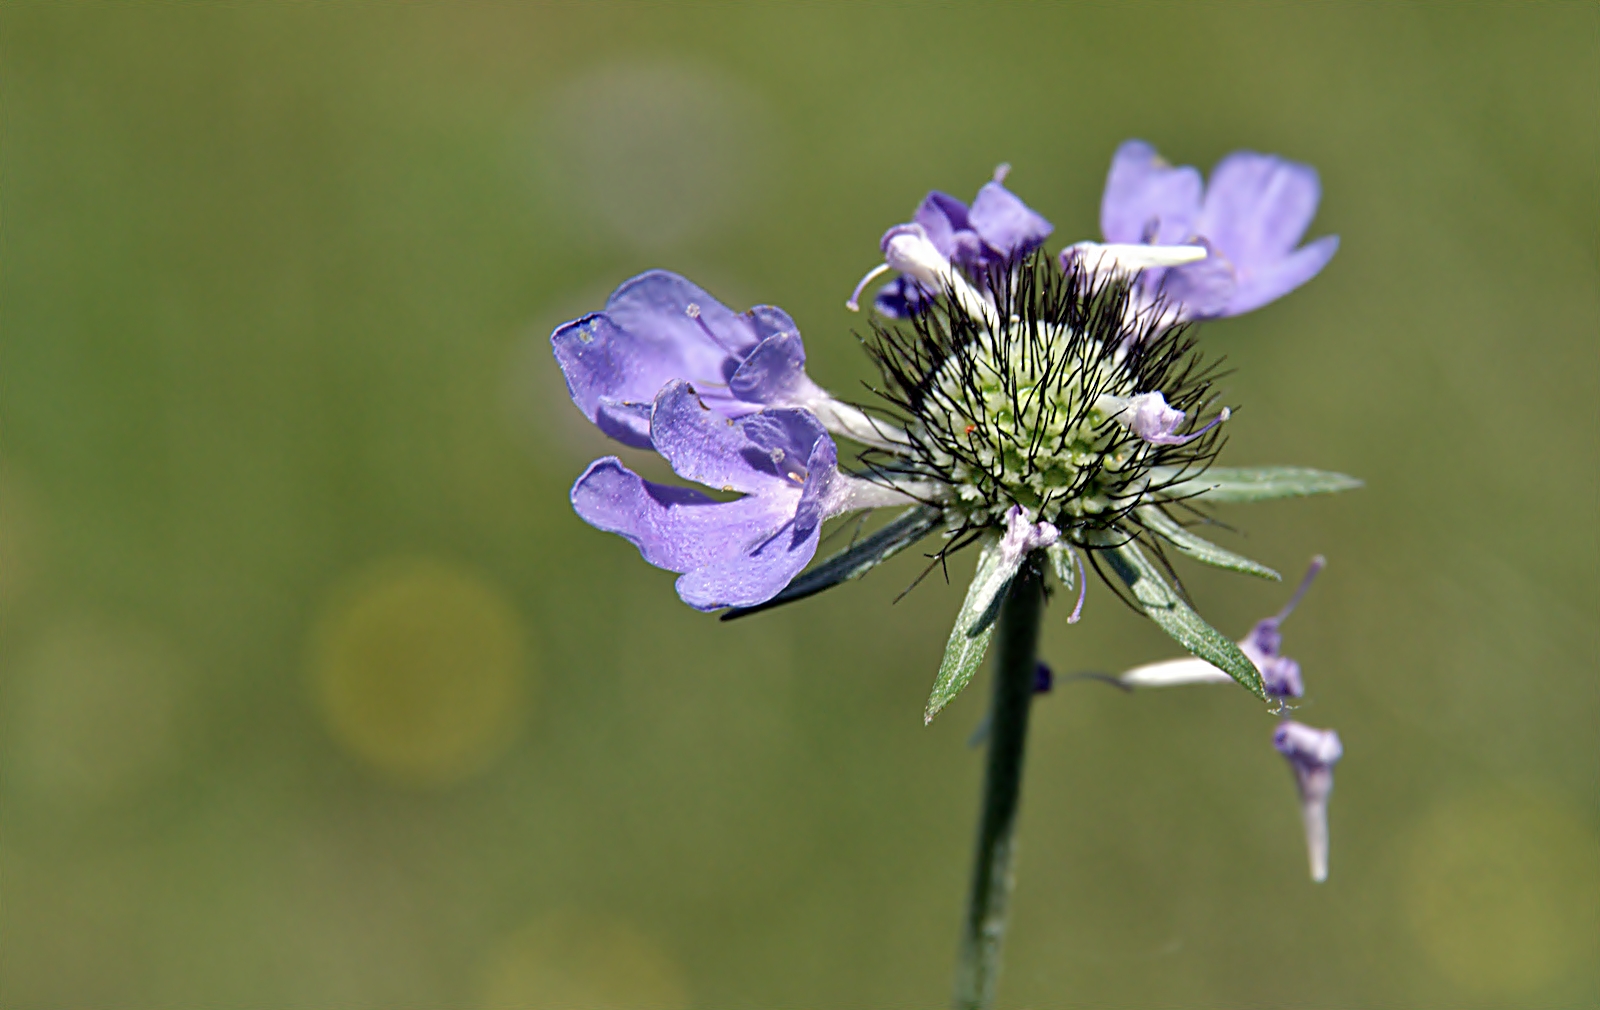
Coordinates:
[736,553]
[1257,206]
[969,251]
[679,529]
[769,321]
[942,216]
[1260,286]
[1005,223]
[1263,642]
[1147,200]
[759,453]
[902,298]
[616,361]
[1205,289]
[656,306]
[1281,677]
[607,370]
[768,563]
[775,372]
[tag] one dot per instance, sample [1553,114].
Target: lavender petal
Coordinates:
[1257,206]
[1264,284]
[1147,200]
[1006,224]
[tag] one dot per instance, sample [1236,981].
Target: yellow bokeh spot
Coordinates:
[1500,892]
[574,959]
[419,668]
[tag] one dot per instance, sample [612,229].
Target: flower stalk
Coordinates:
[978,972]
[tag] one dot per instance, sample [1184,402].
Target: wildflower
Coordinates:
[997,228]
[1280,675]
[1249,220]
[1025,409]
[1311,754]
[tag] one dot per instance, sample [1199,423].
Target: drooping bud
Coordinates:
[1311,754]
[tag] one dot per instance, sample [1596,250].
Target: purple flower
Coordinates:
[1311,754]
[735,553]
[1279,673]
[1250,218]
[997,227]
[658,327]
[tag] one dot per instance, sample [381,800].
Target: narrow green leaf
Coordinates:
[1202,550]
[1188,628]
[969,639]
[1258,483]
[854,561]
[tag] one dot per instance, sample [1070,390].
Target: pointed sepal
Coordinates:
[1198,548]
[1164,606]
[969,638]
[1227,484]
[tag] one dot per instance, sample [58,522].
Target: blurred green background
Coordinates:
[313,691]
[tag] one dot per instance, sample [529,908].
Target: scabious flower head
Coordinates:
[1034,410]
[1249,220]
[1025,391]
[1311,754]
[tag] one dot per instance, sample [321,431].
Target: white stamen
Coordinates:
[1131,257]
[911,252]
[1172,672]
[854,304]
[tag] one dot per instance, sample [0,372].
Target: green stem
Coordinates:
[978,974]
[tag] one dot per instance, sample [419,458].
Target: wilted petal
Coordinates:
[1022,536]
